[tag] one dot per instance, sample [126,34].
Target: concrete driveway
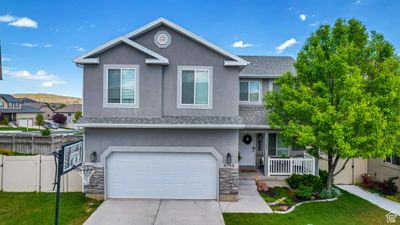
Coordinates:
[157,212]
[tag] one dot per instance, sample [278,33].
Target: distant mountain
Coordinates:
[50,98]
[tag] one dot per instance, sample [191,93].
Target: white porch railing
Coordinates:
[289,166]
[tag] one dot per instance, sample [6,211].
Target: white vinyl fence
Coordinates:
[34,174]
[289,166]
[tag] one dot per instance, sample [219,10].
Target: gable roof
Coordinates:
[70,108]
[10,98]
[82,59]
[267,66]
[235,60]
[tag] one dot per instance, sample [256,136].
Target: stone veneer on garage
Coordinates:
[228,183]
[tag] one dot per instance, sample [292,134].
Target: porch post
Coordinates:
[266,157]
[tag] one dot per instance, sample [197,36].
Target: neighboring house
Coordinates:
[17,113]
[382,169]
[69,111]
[168,115]
[42,107]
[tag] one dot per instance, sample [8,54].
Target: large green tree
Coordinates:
[344,100]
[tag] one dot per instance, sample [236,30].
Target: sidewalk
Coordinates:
[250,201]
[381,202]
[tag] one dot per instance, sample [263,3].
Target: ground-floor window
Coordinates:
[276,146]
[395,160]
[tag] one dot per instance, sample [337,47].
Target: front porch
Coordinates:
[263,154]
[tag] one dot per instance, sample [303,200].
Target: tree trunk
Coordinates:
[332,163]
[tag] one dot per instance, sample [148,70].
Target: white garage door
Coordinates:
[161,175]
[25,123]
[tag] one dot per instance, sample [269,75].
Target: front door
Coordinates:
[247,149]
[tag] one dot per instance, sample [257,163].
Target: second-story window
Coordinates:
[194,90]
[121,86]
[250,92]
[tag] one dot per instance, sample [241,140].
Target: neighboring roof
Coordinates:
[267,66]
[24,109]
[10,98]
[28,100]
[163,122]
[70,108]
[253,116]
[236,61]
[37,105]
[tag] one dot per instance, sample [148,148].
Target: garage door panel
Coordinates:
[162,175]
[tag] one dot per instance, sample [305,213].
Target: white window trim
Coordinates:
[390,164]
[260,90]
[210,88]
[105,86]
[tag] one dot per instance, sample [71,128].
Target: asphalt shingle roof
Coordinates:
[70,108]
[253,115]
[10,98]
[24,109]
[268,66]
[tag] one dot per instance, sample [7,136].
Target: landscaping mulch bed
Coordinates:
[284,198]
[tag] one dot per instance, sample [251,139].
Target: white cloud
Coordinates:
[357,2]
[314,24]
[7,18]
[286,45]
[24,22]
[28,45]
[47,45]
[4,59]
[52,83]
[48,80]
[303,17]
[241,44]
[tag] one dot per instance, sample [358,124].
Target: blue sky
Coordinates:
[40,38]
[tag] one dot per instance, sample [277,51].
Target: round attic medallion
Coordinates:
[162,39]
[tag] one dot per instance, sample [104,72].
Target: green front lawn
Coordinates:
[38,208]
[347,210]
[23,129]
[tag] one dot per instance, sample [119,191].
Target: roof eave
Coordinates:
[160,126]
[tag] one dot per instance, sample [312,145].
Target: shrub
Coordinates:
[59,118]
[315,182]
[389,187]
[323,175]
[46,132]
[324,194]
[4,121]
[4,151]
[304,191]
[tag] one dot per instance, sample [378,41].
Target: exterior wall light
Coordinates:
[93,157]
[228,158]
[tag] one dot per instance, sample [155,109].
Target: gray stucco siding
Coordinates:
[149,85]
[224,141]
[183,51]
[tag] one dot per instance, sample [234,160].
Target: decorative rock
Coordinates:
[262,186]
[283,208]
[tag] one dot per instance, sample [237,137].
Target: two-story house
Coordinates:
[170,115]
[16,112]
